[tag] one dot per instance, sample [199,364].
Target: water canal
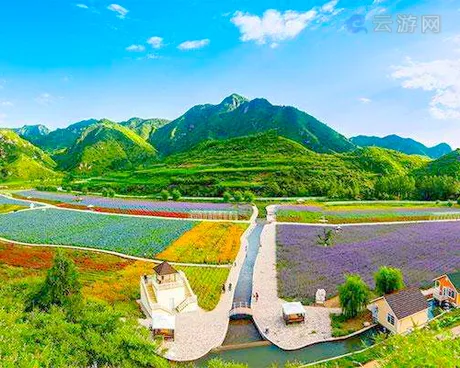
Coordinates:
[242,330]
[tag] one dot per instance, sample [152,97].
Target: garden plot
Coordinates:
[135,236]
[360,213]
[146,207]
[421,250]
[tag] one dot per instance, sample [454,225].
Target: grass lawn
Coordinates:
[431,347]
[104,277]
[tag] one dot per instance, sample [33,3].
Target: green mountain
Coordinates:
[448,165]
[144,127]
[236,116]
[267,164]
[63,138]
[21,160]
[33,133]
[405,145]
[106,146]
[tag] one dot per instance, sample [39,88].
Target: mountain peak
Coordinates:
[233,101]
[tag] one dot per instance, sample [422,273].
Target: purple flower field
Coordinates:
[421,251]
[137,204]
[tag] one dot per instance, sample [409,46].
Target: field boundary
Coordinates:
[121,255]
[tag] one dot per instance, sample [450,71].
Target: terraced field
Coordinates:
[359,213]
[143,207]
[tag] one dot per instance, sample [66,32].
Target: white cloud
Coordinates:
[119,10]
[330,6]
[82,6]
[6,103]
[193,45]
[156,42]
[273,26]
[136,48]
[44,99]
[152,56]
[364,100]
[440,77]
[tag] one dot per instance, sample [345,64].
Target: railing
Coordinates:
[439,296]
[240,308]
[151,305]
[190,300]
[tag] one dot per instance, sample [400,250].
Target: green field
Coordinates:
[341,212]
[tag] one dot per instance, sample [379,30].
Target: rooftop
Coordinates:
[454,279]
[406,302]
[163,322]
[164,269]
[293,308]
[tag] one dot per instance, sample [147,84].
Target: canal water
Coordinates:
[242,329]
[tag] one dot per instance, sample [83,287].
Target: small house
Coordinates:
[163,325]
[447,289]
[293,312]
[401,311]
[167,291]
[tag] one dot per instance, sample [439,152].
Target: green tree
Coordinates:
[176,195]
[84,190]
[249,196]
[61,288]
[227,197]
[164,195]
[353,295]
[388,280]
[238,196]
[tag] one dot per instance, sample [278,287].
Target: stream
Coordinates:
[242,329]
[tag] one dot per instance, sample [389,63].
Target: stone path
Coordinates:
[197,333]
[267,311]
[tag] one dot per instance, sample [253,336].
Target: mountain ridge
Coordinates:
[404,145]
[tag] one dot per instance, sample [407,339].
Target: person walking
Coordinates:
[230,287]
[223,288]
[257,296]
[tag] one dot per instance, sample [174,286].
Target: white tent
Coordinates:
[163,322]
[293,308]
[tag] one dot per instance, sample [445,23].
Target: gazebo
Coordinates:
[163,325]
[293,312]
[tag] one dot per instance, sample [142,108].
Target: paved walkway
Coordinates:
[197,333]
[267,311]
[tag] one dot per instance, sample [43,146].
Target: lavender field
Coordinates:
[133,205]
[421,251]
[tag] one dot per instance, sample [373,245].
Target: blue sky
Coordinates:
[65,61]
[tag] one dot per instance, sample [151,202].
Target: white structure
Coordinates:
[293,312]
[163,325]
[167,292]
[320,296]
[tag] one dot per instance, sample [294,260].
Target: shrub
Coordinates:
[176,195]
[164,195]
[353,295]
[227,197]
[248,196]
[238,196]
[61,288]
[388,280]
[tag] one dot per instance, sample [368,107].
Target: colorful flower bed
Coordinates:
[143,207]
[209,242]
[421,251]
[143,237]
[359,213]
[106,277]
